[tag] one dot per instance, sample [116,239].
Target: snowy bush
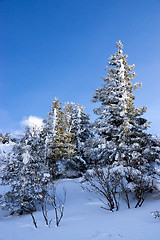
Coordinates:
[105,185]
[113,183]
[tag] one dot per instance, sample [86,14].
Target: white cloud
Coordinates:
[32,122]
[17,133]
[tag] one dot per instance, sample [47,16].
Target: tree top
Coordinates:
[119,45]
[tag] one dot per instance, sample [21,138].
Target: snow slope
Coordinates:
[84,219]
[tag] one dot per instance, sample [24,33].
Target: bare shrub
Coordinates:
[125,191]
[105,184]
[141,184]
[58,202]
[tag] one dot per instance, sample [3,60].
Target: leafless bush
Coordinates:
[125,191]
[141,184]
[58,202]
[105,184]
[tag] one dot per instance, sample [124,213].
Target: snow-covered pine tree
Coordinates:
[59,144]
[79,125]
[83,129]
[54,116]
[11,175]
[121,138]
[120,142]
[26,173]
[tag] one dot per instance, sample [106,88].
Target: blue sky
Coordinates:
[60,48]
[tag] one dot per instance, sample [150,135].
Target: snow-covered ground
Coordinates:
[84,219]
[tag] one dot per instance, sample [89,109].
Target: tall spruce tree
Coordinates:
[59,144]
[121,138]
[127,153]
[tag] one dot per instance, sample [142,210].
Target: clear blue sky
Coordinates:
[60,48]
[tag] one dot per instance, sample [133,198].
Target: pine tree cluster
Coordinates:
[122,155]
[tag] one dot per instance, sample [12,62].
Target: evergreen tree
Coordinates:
[120,143]
[50,129]
[78,123]
[66,130]
[26,173]
[121,138]
[59,144]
